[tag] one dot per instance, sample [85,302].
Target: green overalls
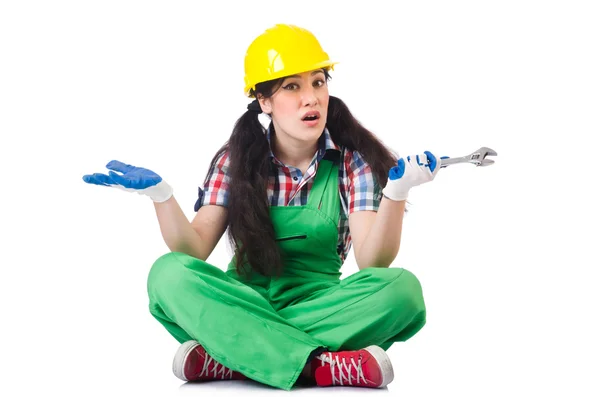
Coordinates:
[267,328]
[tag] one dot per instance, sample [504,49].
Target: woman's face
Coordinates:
[299,106]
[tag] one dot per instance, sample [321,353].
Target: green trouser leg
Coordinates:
[375,306]
[236,325]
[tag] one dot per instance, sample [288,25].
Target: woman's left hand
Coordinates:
[410,172]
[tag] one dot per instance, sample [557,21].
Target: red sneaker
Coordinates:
[368,367]
[193,363]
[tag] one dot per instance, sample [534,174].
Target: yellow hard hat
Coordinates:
[282,50]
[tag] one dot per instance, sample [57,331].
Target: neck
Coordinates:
[293,152]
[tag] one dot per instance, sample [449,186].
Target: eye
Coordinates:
[319,83]
[290,86]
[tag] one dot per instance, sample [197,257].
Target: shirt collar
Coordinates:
[325,143]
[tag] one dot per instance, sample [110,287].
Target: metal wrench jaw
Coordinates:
[486,162]
[478,157]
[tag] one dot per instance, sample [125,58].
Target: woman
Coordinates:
[295,197]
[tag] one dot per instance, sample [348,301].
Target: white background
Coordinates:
[507,254]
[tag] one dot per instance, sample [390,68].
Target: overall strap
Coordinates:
[324,192]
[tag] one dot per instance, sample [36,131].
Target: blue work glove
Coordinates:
[133,179]
[410,172]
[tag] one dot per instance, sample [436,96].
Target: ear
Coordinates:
[265,104]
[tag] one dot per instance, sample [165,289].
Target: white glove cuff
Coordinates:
[159,193]
[392,192]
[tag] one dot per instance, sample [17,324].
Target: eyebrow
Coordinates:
[298,76]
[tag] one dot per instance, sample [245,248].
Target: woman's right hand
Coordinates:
[133,179]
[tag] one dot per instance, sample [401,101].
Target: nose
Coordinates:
[309,96]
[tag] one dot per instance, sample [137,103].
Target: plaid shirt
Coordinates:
[287,186]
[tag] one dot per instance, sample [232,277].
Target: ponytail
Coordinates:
[251,230]
[346,130]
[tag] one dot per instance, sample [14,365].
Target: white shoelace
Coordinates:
[216,371]
[342,366]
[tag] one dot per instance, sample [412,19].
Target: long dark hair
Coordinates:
[249,223]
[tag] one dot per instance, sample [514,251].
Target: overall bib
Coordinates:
[267,327]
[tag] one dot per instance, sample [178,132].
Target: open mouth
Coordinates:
[311,118]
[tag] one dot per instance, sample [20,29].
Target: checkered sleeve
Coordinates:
[216,186]
[364,192]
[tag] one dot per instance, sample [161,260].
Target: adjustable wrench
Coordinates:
[478,158]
